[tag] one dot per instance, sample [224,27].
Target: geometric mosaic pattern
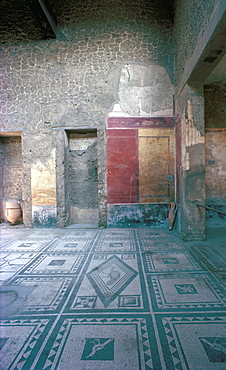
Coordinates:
[111,299]
[201,338]
[186,291]
[53,263]
[91,346]
[110,278]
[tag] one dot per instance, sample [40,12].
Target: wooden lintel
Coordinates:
[45,16]
[209,51]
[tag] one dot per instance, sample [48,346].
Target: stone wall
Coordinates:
[215,106]
[83,178]
[73,80]
[215,148]
[190,141]
[104,52]
[191,20]
[194,27]
[11,164]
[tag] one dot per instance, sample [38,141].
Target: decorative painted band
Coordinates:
[137,215]
[137,122]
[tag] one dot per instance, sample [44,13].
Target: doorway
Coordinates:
[83,177]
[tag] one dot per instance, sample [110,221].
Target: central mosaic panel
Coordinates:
[110,278]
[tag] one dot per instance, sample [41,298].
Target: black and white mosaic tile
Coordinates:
[111,299]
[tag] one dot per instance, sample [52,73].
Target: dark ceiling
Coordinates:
[33,20]
[25,20]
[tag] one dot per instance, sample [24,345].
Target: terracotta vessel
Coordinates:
[13,211]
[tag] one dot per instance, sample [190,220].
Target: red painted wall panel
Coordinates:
[122,164]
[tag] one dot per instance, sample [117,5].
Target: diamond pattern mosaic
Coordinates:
[111,299]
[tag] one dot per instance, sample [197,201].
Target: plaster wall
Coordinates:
[216,165]
[195,28]
[191,162]
[215,148]
[140,170]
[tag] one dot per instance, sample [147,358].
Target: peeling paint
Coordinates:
[43,181]
[145,90]
[190,134]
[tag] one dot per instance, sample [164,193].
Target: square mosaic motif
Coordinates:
[196,342]
[156,245]
[211,257]
[170,261]
[21,339]
[108,282]
[74,236]
[48,293]
[163,261]
[73,246]
[117,234]
[102,343]
[129,301]
[55,264]
[85,302]
[98,349]
[115,246]
[111,299]
[186,291]
[215,348]
[110,278]
[18,245]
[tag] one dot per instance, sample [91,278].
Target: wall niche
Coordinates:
[11,166]
[83,177]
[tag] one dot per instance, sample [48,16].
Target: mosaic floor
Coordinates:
[117,299]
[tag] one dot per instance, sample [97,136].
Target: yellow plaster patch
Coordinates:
[43,181]
[156,162]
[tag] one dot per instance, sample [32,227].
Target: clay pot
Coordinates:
[13,211]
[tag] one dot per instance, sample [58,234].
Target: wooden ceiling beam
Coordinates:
[45,16]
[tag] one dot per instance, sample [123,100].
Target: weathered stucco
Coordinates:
[191,20]
[76,79]
[216,165]
[73,81]
[145,90]
[215,106]
[191,137]
[191,174]
[215,149]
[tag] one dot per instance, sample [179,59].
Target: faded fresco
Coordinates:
[140,161]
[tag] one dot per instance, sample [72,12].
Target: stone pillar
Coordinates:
[39,185]
[102,185]
[62,193]
[26,178]
[190,108]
